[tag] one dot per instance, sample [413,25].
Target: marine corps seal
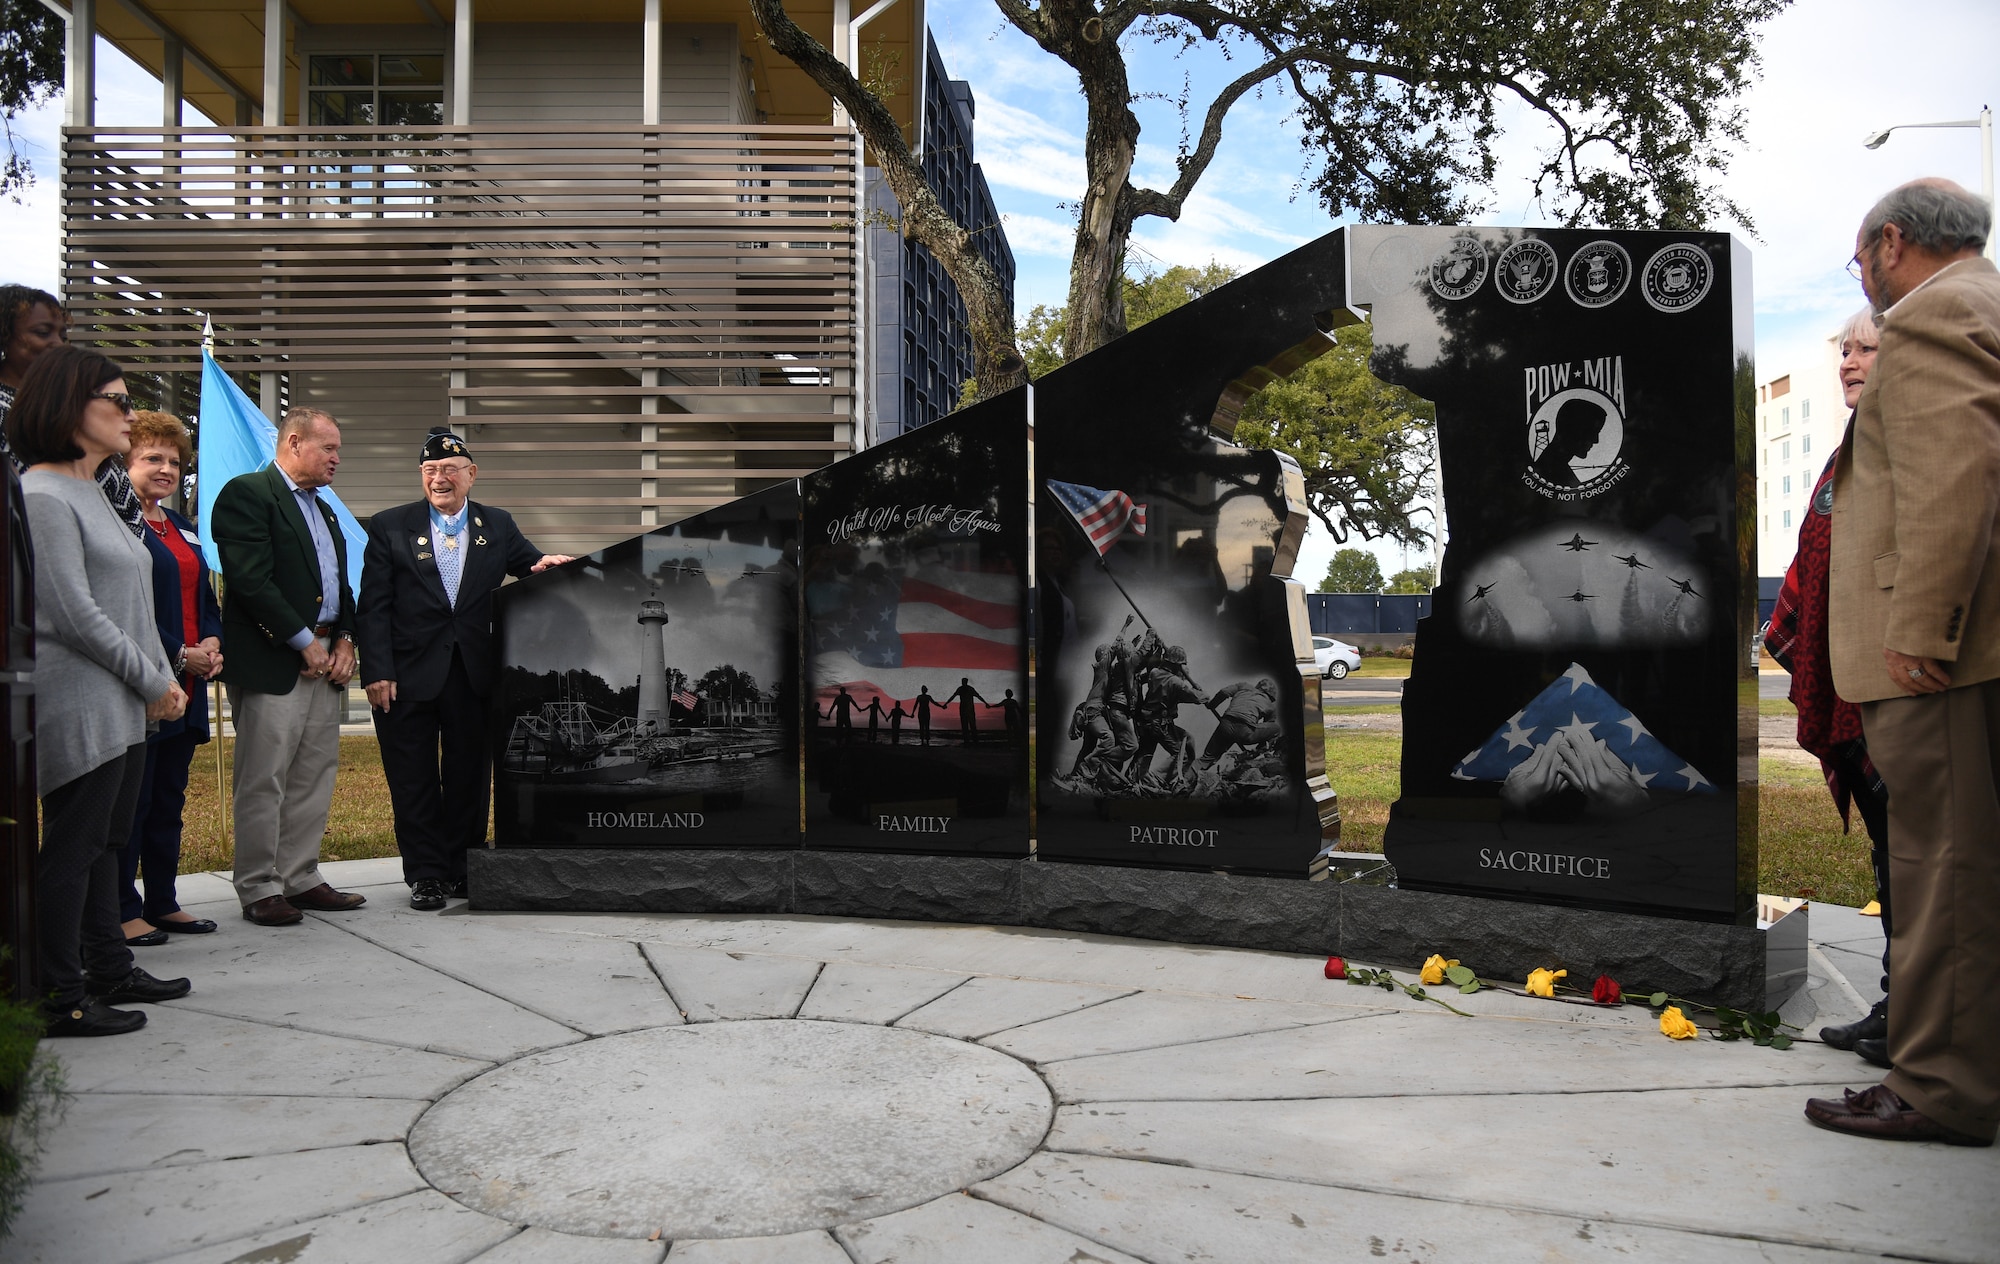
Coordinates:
[1459,268]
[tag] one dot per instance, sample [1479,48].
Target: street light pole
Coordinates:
[1875,140]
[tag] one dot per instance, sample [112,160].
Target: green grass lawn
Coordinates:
[1382,669]
[360,825]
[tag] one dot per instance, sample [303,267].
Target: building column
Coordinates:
[461,64]
[649,90]
[274,63]
[172,62]
[80,75]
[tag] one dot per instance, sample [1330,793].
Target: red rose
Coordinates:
[1336,968]
[1606,990]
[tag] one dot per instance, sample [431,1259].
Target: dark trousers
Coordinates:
[435,759]
[154,847]
[1874,810]
[85,823]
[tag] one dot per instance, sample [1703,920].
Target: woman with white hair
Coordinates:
[1830,727]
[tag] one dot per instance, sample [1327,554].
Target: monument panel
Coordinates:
[648,693]
[915,634]
[1178,706]
[1571,724]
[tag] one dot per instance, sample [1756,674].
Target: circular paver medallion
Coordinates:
[731,1129]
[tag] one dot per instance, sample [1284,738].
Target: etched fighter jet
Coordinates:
[1580,596]
[1479,593]
[1632,562]
[1685,585]
[1576,543]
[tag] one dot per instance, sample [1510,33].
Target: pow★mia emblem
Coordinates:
[1677,278]
[1598,274]
[1823,499]
[1459,268]
[1527,270]
[1576,428]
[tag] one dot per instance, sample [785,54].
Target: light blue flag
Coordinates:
[235,437]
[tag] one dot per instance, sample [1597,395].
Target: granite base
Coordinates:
[1364,920]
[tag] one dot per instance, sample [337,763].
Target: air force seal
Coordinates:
[1677,278]
[1527,270]
[1459,268]
[1598,274]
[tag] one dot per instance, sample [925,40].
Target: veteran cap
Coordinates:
[443,445]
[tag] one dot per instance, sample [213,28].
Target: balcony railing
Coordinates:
[695,279]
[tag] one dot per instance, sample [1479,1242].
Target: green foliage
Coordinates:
[40,1100]
[1151,295]
[1148,296]
[1367,449]
[1352,571]
[31,72]
[1361,976]
[1419,579]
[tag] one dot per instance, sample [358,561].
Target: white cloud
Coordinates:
[1039,235]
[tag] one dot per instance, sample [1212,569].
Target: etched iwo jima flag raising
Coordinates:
[800,630]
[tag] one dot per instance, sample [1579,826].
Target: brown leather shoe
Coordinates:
[273,910]
[324,899]
[1878,1112]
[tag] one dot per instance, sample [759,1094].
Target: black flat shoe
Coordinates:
[427,895]
[137,987]
[92,1017]
[1875,1052]
[1875,1026]
[199,926]
[151,939]
[461,890]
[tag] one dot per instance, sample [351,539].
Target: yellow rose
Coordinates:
[1676,1024]
[1434,968]
[1543,982]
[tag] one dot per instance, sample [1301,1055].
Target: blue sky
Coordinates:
[1833,70]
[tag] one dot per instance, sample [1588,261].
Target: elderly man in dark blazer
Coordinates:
[428,660]
[1914,633]
[288,620]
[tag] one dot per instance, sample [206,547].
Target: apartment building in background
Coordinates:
[1800,418]
[618,244]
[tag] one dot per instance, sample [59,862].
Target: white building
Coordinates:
[1800,418]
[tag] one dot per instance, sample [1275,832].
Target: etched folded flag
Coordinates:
[1104,516]
[1576,704]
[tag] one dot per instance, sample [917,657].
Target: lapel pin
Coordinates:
[421,540]
[480,540]
[423,557]
[478,522]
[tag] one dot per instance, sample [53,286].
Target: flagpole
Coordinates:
[1105,567]
[221,798]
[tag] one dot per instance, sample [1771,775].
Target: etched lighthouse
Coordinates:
[652,669]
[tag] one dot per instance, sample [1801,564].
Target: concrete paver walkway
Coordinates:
[1124,1101]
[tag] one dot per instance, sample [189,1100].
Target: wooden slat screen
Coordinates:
[633,322]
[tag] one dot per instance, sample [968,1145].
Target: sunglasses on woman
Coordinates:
[119,398]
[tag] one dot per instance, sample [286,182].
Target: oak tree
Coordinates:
[1399,111]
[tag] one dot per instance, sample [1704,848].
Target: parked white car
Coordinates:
[1335,658]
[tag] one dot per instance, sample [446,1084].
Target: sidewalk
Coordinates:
[393,1086]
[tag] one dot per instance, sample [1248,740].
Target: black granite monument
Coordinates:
[1571,728]
[648,693]
[915,584]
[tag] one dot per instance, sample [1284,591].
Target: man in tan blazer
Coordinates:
[1914,621]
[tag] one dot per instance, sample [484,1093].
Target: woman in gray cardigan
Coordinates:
[100,678]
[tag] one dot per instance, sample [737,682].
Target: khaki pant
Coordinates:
[1940,757]
[287,751]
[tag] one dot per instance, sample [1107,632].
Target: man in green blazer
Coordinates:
[288,620]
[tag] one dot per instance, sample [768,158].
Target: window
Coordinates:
[1805,444]
[1767,489]
[1786,419]
[375,90]
[1788,484]
[1785,450]
[1788,517]
[1805,410]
